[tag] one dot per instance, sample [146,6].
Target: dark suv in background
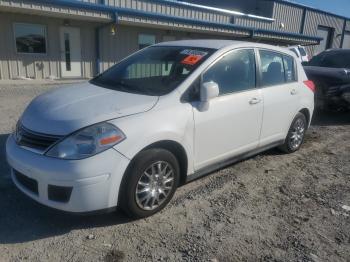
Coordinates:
[330,71]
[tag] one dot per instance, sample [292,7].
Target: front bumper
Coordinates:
[86,185]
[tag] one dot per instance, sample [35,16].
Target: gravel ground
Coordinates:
[271,207]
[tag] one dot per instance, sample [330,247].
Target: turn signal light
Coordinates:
[110,140]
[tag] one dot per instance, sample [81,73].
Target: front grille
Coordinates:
[28,183]
[34,140]
[59,193]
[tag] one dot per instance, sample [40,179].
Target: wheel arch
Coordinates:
[307,114]
[175,148]
[179,152]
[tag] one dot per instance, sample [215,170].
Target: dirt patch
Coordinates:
[272,207]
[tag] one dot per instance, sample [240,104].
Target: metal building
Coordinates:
[81,38]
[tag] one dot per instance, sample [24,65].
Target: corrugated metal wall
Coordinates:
[54,10]
[114,48]
[347,26]
[290,16]
[41,66]
[253,22]
[168,9]
[314,19]
[125,42]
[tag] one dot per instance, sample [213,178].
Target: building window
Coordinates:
[30,38]
[146,40]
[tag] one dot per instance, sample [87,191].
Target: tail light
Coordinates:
[310,85]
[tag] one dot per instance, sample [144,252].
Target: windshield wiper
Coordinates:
[114,85]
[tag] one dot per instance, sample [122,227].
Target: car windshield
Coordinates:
[331,59]
[154,71]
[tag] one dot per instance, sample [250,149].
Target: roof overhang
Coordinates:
[104,13]
[219,10]
[75,10]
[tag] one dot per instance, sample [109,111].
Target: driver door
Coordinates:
[232,122]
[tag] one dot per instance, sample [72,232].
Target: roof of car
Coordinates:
[296,46]
[219,44]
[212,43]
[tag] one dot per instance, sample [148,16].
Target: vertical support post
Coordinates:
[97,41]
[343,34]
[302,25]
[97,50]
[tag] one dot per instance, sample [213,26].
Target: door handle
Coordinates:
[254,101]
[293,92]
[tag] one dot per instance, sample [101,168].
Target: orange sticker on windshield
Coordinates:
[191,59]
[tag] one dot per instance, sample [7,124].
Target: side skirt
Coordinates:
[214,167]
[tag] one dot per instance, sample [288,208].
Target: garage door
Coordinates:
[346,43]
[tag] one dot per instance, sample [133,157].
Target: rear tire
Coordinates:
[296,134]
[149,183]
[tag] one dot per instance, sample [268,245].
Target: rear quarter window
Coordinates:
[302,51]
[289,69]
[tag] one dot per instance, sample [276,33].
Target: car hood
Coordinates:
[67,109]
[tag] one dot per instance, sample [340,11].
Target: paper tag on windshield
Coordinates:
[193,56]
[191,59]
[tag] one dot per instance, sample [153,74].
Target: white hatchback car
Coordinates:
[165,115]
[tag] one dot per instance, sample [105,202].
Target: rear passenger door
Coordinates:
[278,82]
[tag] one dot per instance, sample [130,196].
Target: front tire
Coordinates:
[150,183]
[296,134]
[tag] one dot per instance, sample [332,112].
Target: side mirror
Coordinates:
[305,63]
[209,90]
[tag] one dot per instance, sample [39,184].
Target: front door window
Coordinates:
[234,72]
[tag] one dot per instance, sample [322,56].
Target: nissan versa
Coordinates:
[163,116]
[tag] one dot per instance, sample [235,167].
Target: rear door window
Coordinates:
[272,68]
[276,68]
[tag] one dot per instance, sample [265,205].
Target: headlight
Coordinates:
[16,134]
[87,142]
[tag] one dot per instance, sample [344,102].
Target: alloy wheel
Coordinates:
[154,185]
[297,134]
